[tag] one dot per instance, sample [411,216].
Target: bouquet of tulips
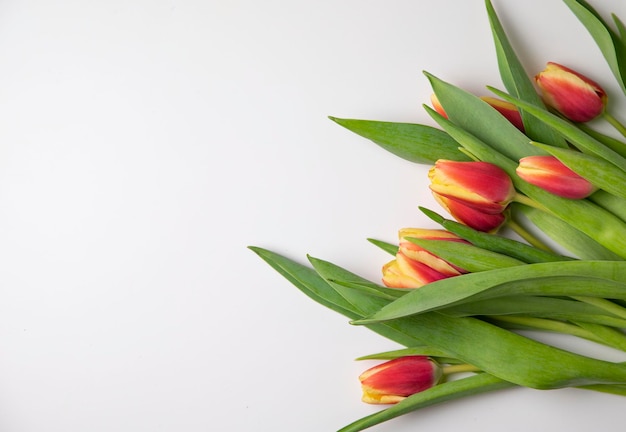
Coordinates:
[456,298]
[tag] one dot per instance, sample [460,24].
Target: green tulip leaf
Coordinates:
[364,295]
[478,118]
[422,350]
[314,286]
[466,256]
[308,281]
[607,335]
[610,45]
[616,145]
[569,278]
[387,247]
[414,142]
[542,307]
[616,389]
[496,351]
[575,241]
[496,243]
[620,27]
[517,82]
[610,202]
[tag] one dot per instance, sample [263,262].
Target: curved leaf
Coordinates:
[611,47]
[413,142]
[518,83]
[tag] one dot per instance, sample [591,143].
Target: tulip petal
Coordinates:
[507,109]
[417,253]
[469,216]
[394,380]
[575,96]
[480,185]
[550,174]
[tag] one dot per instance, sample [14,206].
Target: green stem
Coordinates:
[528,236]
[604,304]
[615,389]
[604,335]
[549,325]
[459,368]
[523,199]
[609,336]
[615,123]
[612,143]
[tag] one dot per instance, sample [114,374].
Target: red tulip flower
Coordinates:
[482,186]
[395,380]
[550,174]
[507,109]
[471,217]
[574,95]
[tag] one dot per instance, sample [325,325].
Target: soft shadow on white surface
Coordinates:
[145,144]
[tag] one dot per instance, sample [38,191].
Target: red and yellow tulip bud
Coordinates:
[482,186]
[574,95]
[419,254]
[395,380]
[507,109]
[471,217]
[434,101]
[404,272]
[550,174]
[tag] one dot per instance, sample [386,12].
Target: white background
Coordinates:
[143,146]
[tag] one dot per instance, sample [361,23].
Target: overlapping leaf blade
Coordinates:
[567,278]
[413,142]
[612,48]
[517,82]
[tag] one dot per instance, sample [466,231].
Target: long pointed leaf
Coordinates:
[610,202]
[313,285]
[575,241]
[543,307]
[413,142]
[604,38]
[468,257]
[478,118]
[571,278]
[308,281]
[495,243]
[517,82]
[614,144]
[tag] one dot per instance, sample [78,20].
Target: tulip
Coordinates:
[404,272]
[482,186]
[550,174]
[471,217]
[507,109]
[395,380]
[414,266]
[434,101]
[575,96]
[419,254]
